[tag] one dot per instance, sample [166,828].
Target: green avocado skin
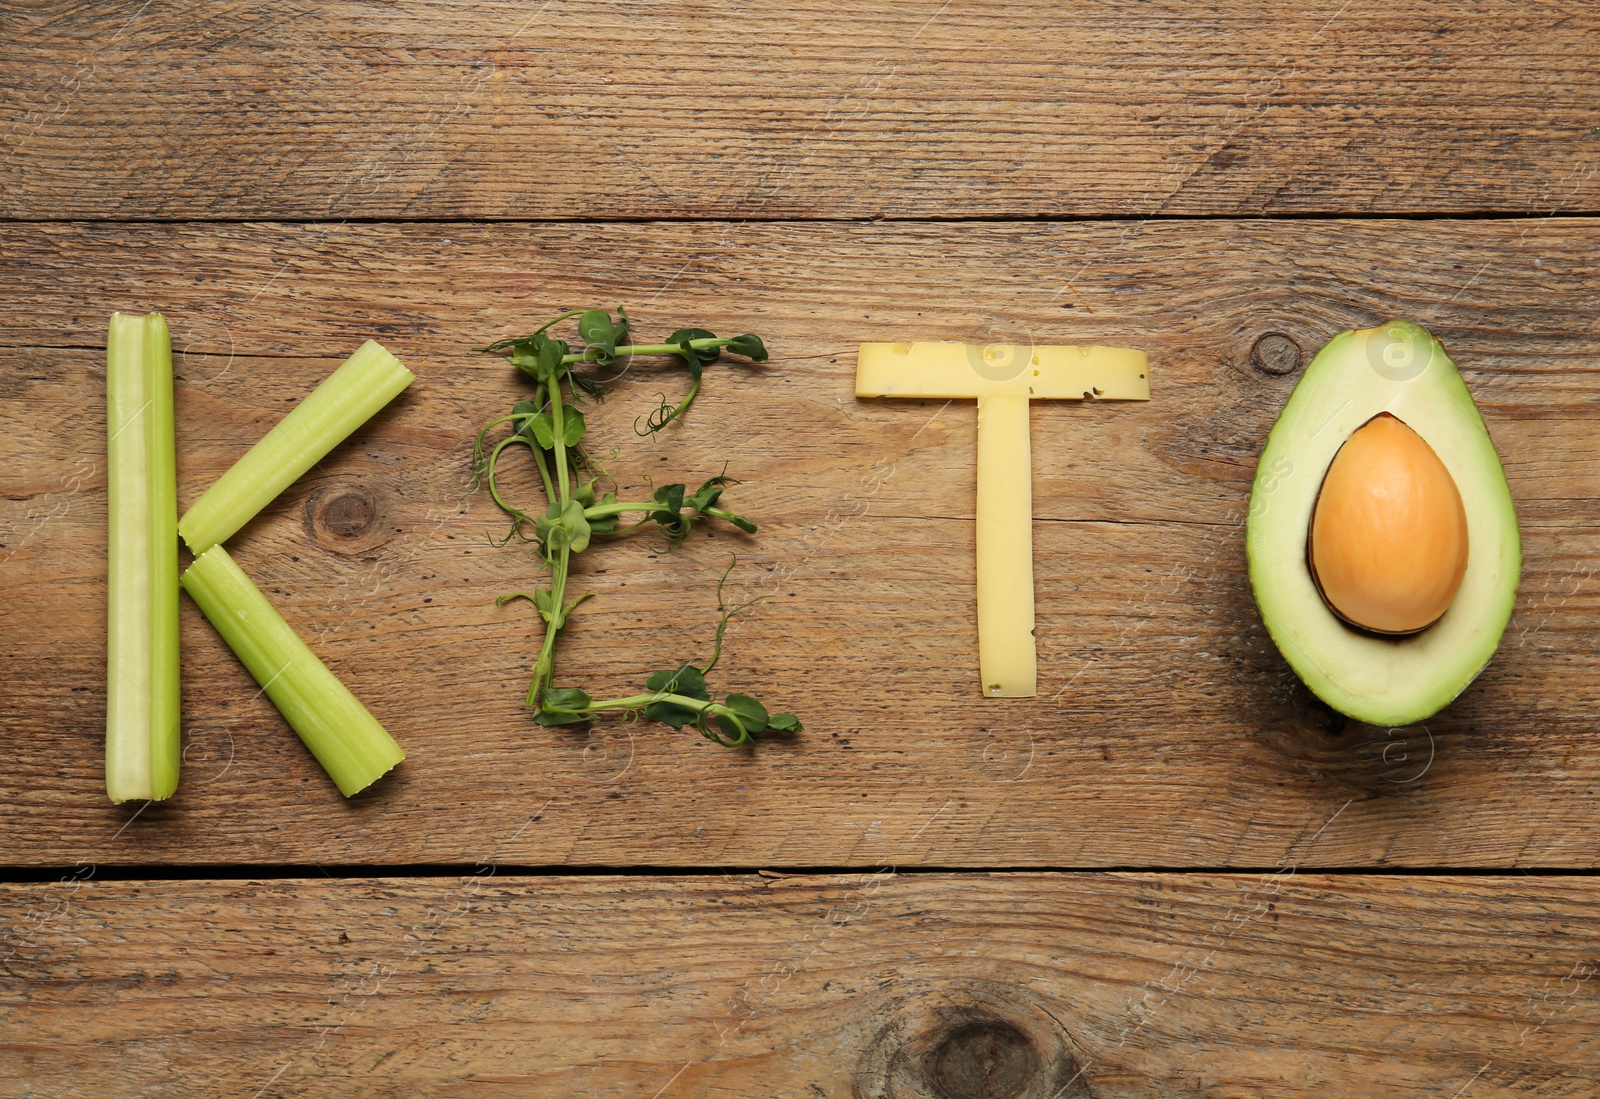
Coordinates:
[1399,368]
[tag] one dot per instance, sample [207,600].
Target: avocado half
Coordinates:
[1401,369]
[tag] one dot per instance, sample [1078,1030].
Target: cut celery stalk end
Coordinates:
[346,739]
[142,714]
[345,400]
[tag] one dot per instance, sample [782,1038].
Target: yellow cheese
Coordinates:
[1006,658]
[968,370]
[1003,378]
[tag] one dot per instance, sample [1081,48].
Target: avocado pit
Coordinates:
[1387,545]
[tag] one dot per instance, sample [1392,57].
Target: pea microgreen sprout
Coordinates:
[551,426]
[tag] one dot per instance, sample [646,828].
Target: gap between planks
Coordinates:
[1492,214]
[313,871]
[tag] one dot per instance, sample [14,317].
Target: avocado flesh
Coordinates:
[1401,369]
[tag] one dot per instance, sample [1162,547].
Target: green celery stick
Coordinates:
[346,739]
[142,717]
[345,400]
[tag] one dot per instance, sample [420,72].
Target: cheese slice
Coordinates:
[1007,660]
[1003,378]
[968,370]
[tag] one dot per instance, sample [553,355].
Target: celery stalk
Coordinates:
[346,739]
[142,717]
[345,400]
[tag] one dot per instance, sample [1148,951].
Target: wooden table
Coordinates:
[1171,874]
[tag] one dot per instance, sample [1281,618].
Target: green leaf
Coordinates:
[572,425]
[784,723]
[750,346]
[670,496]
[577,527]
[709,493]
[563,706]
[621,327]
[685,680]
[670,713]
[524,408]
[751,712]
[565,698]
[525,357]
[550,355]
[594,328]
[547,526]
[544,601]
[670,513]
[524,352]
[563,527]
[696,357]
[542,430]
[584,494]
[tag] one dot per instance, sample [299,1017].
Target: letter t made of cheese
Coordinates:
[1003,378]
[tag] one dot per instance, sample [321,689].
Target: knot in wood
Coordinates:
[349,514]
[345,519]
[966,1038]
[1276,354]
[983,1059]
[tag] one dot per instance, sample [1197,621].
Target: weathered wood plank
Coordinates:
[1111,985]
[913,108]
[1169,731]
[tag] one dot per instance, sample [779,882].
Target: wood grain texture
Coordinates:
[914,108]
[1169,732]
[1117,986]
